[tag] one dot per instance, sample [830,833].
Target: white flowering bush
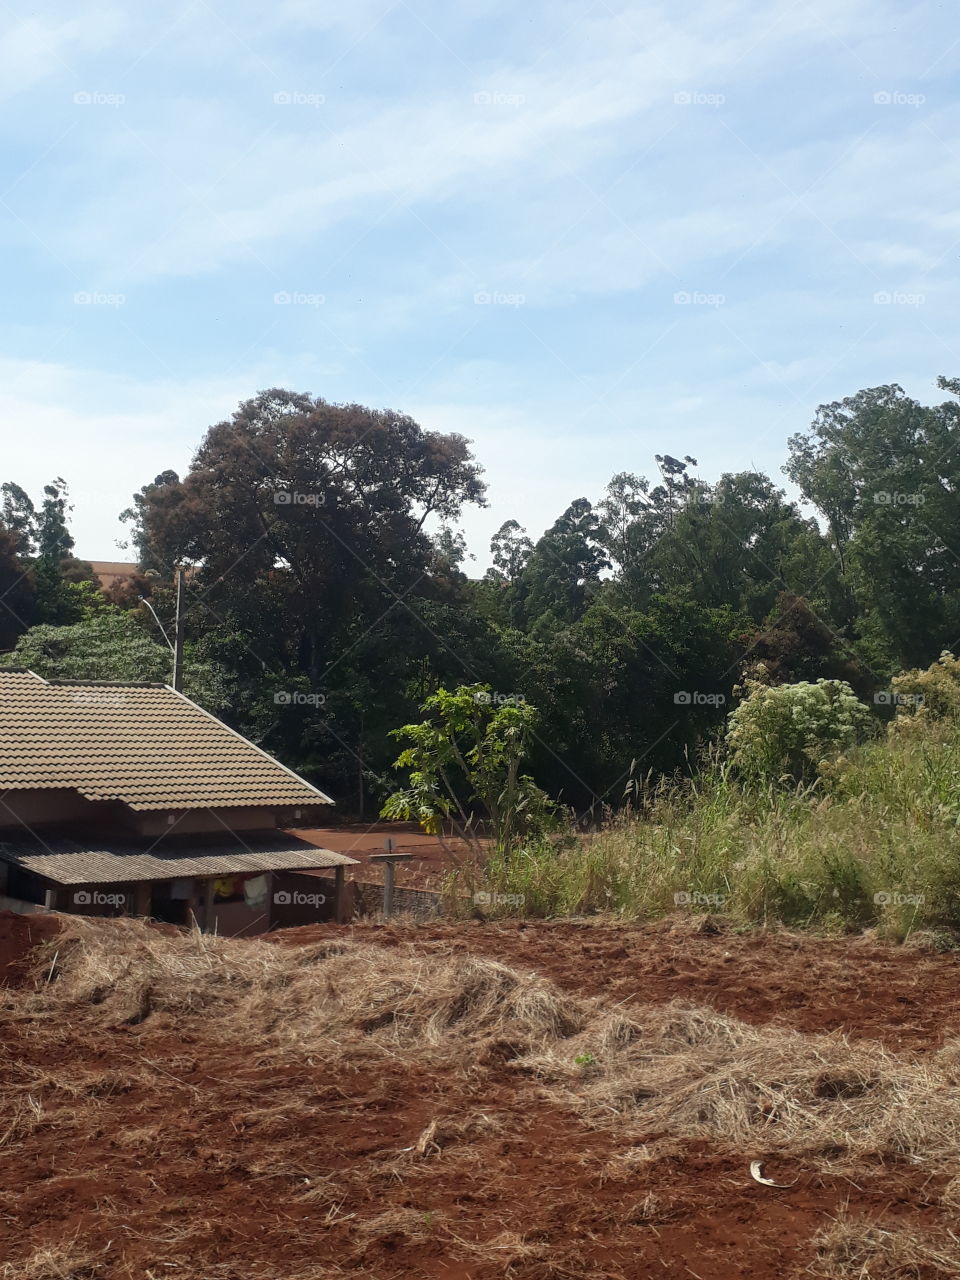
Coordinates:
[786,731]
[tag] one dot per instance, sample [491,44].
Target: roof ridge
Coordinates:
[114,684]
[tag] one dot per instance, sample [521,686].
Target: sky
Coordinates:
[577,234]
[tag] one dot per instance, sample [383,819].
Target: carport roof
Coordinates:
[69,861]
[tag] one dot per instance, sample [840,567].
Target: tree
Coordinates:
[469,749]
[885,473]
[111,645]
[320,506]
[17,590]
[562,574]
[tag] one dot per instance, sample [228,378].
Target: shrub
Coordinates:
[785,731]
[933,694]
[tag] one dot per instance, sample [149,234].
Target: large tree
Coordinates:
[884,471]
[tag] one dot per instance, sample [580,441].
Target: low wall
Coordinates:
[420,903]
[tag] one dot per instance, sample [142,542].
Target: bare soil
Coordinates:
[157,1147]
[908,998]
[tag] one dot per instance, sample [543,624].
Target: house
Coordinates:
[123,798]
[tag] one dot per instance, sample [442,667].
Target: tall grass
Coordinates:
[874,842]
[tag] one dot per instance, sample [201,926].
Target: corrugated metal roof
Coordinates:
[145,745]
[69,861]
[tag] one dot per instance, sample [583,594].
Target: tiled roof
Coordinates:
[142,744]
[93,861]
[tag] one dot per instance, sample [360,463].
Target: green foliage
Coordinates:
[110,645]
[878,847]
[784,732]
[470,748]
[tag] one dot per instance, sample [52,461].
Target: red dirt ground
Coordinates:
[907,999]
[427,867]
[18,936]
[162,1151]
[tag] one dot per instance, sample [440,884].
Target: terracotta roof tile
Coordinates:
[144,745]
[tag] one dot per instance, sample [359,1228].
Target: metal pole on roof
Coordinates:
[178,633]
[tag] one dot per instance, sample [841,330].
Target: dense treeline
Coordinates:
[327,595]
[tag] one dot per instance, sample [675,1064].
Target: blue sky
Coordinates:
[578,234]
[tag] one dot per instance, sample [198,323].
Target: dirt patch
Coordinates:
[18,937]
[906,999]
[220,1110]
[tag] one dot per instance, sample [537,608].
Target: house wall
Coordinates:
[214,821]
[298,899]
[36,807]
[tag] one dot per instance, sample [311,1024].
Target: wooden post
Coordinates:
[143,898]
[388,870]
[340,886]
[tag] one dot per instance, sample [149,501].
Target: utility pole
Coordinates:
[178,633]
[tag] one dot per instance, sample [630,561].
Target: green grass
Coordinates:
[885,819]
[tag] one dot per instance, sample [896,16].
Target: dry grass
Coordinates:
[678,1072]
[67,1261]
[683,1071]
[853,1250]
